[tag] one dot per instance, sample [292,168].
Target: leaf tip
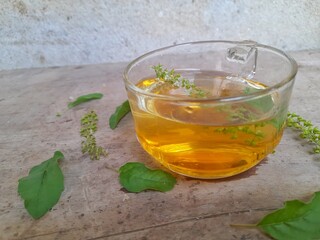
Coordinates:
[58,155]
[70,105]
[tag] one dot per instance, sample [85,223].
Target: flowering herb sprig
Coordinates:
[176,80]
[88,127]
[308,131]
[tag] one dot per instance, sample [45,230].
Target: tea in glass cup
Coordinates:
[210,109]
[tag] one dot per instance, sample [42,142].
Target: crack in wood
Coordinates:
[158,225]
[184,220]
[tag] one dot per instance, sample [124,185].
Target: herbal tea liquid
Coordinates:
[202,141]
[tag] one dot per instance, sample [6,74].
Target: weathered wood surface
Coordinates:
[93,206]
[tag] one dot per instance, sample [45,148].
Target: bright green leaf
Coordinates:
[296,221]
[120,112]
[42,188]
[136,177]
[85,98]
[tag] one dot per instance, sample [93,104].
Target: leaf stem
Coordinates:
[243,225]
[112,169]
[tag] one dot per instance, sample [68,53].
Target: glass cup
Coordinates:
[219,113]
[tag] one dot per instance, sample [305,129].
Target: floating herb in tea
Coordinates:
[175,79]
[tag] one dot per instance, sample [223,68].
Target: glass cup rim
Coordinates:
[267,91]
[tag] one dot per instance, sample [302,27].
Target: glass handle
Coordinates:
[245,55]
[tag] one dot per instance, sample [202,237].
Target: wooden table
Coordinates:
[93,205]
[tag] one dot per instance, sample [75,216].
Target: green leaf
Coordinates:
[136,177]
[120,112]
[262,103]
[85,98]
[279,121]
[42,188]
[296,221]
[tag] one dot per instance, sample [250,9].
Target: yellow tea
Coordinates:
[200,139]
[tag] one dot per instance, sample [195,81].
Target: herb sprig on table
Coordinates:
[308,131]
[88,127]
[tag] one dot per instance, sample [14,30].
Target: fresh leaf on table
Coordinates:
[136,177]
[264,104]
[85,98]
[296,221]
[120,112]
[42,188]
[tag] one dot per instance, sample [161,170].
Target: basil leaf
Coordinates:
[42,188]
[264,104]
[279,121]
[120,112]
[296,221]
[85,98]
[136,177]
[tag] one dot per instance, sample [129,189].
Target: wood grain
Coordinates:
[93,205]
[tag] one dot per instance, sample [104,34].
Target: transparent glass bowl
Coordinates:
[236,124]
